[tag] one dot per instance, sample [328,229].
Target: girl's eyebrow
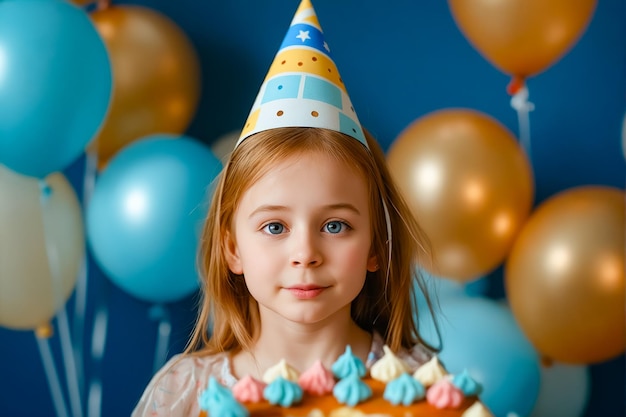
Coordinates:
[266,208]
[271,207]
[343,206]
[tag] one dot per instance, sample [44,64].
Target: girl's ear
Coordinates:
[372,263]
[232,255]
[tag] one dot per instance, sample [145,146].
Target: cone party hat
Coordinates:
[303,87]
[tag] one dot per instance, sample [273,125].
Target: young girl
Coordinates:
[295,259]
[308,247]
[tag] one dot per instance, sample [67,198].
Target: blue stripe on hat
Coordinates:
[321,90]
[302,34]
[284,86]
[351,128]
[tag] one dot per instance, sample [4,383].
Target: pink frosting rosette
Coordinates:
[443,394]
[248,390]
[317,380]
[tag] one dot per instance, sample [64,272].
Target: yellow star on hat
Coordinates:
[303,87]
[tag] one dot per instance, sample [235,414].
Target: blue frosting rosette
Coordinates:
[468,385]
[283,392]
[348,364]
[351,390]
[404,390]
[218,400]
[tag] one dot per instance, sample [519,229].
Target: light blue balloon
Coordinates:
[442,288]
[55,84]
[481,335]
[146,213]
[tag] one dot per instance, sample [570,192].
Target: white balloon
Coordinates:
[224,145]
[564,391]
[41,247]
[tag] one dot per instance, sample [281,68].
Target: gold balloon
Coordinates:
[470,186]
[522,37]
[41,248]
[156,77]
[565,276]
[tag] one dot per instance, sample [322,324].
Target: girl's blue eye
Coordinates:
[274,228]
[335,227]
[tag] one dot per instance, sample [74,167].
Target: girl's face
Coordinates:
[302,240]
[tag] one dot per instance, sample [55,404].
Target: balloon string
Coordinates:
[519,101]
[52,376]
[82,285]
[89,179]
[69,362]
[78,325]
[58,303]
[95,398]
[101,314]
[98,345]
[160,312]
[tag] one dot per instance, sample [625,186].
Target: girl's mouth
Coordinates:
[305,292]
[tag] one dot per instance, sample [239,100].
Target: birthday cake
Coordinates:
[348,390]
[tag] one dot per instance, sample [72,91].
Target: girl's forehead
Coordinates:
[308,170]
[316,162]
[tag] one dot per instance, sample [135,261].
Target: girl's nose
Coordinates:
[305,251]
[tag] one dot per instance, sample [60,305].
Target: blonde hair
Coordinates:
[229,315]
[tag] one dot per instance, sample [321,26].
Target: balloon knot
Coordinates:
[519,101]
[103,4]
[547,362]
[45,190]
[516,84]
[44,331]
[158,312]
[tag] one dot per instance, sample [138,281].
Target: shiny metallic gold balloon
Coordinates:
[156,75]
[565,276]
[522,37]
[468,183]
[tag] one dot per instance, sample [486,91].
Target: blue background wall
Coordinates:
[400,60]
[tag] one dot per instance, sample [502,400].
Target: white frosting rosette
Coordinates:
[389,367]
[430,373]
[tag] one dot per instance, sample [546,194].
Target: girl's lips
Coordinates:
[305,292]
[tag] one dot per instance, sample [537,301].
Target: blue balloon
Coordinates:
[481,335]
[55,84]
[146,213]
